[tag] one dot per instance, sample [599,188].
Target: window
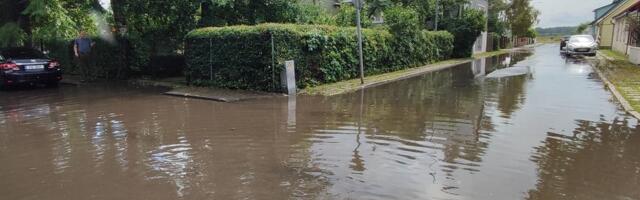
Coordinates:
[580,39]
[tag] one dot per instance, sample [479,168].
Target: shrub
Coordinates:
[166,66]
[313,14]
[402,21]
[347,16]
[466,30]
[11,35]
[107,58]
[241,56]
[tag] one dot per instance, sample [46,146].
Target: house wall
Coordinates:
[634,55]
[605,35]
[606,31]
[620,36]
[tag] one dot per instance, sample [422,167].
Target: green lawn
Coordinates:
[613,54]
[548,39]
[624,75]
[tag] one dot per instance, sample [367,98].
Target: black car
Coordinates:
[27,66]
[563,42]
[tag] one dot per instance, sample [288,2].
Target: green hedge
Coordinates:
[112,63]
[107,58]
[241,56]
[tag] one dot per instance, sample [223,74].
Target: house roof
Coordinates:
[632,8]
[604,10]
[619,3]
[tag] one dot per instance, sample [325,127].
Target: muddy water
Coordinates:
[554,133]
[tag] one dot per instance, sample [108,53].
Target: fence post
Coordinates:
[273,64]
[210,59]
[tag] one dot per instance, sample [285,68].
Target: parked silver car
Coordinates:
[581,45]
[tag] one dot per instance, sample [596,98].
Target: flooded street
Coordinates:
[552,133]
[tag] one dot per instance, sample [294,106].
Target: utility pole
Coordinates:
[358,4]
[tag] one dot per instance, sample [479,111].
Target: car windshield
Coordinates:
[581,39]
[22,53]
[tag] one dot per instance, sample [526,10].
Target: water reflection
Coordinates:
[597,160]
[430,129]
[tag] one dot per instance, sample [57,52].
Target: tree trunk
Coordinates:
[119,17]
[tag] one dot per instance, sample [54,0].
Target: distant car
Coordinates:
[563,42]
[582,45]
[22,66]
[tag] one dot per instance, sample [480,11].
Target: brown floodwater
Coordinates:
[554,133]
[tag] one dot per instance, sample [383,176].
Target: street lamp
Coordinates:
[358,5]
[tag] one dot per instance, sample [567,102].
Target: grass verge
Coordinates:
[624,75]
[549,39]
[613,55]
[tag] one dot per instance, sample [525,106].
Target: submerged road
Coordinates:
[553,132]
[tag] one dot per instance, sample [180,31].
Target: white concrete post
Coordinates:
[290,77]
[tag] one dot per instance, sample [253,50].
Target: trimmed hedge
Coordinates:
[111,63]
[107,58]
[241,56]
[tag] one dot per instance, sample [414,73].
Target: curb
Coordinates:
[625,104]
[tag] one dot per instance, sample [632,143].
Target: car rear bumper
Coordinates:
[16,78]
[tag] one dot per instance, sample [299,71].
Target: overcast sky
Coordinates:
[566,12]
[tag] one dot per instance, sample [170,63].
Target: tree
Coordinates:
[12,35]
[233,12]
[375,7]
[521,16]
[582,27]
[50,20]
[496,21]
[466,30]
[634,29]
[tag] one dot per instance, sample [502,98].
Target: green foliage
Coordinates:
[531,33]
[466,30]
[495,22]
[108,62]
[11,35]
[521,16]
[582,27]
[241,56]
[375,7]
[313,14]
[235,12]
[158,30]
[402,21]
[347,17]
[51,20]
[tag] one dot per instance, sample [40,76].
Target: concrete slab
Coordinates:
[217,94]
